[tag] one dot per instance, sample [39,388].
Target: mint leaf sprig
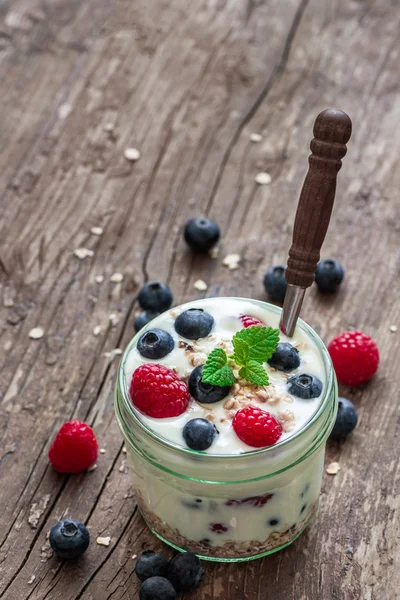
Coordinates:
[251,348]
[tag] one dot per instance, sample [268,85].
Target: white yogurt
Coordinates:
[291,411]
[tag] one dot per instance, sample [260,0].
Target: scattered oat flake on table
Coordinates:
[97,230]
[36,333]
[109,127]
[132,154]
[114,319]
[83,253]
[64,110]
[134,556]
[102,451]
[92,467]
[200,285]
[99,278]
[124,450]
[31,579]
[103,541]
[263,178]
[36,511]
[116,278]
[232,261]
[96,330]
[333,468]
[256,137]
[393,328]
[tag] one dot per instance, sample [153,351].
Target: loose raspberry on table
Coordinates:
[158,392]
[250,321]
[355,357]
[256,427]
[74,448]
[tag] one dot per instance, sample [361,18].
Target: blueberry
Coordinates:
[275,283]
[346,420]
[286,357]
[69,539]
[151,564]
[304,386]
[155,296]
[157,588]
[201,234]
[329,275]
[143,318]
[199,434]
[185,571]
[205,393]
[155,343]
[194,323]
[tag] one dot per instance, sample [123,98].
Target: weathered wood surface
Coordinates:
[186,83]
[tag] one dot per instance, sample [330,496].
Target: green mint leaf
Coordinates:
[240,355]
[216,370]
[254,373]
[261,342]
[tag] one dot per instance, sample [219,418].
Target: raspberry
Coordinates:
[256,427]
[74,448]
[250,321]
[355,357]
[158,392]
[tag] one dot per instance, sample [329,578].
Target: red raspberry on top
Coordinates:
[355,357]
[256,427]
[74,448]
[250,321]
[158,392]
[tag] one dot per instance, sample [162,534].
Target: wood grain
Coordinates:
[186,83]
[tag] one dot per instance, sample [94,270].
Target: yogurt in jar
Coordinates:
[242,518]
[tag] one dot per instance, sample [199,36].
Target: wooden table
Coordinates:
[186,83]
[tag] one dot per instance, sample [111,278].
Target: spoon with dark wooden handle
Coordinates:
[332,131]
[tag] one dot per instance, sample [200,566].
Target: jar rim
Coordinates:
[330,379]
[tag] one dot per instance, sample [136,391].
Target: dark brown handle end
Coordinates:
[332,130]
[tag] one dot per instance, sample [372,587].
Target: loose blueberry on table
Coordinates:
[151,564]
[155,296]
[329,275]
[157,588]
[185,572]
[346,420]
[69,539]
[275,283]
[201,234]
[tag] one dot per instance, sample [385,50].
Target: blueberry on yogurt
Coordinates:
[194,323]
[285,358]
[205,393]
[304,386]
[155,343]
[199,434]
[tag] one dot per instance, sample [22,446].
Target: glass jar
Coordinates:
[229,507]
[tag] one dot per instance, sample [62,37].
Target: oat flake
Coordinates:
[333,468]
[393,328]
[31,579]
[200,285]
[232,261]
[132,154]
[103,541]
[263,178]
[83,253]
[116,278]
[99,278]
[213,253]
[92,467]
[36,333]
[256,137]
[97,230]
[102,451]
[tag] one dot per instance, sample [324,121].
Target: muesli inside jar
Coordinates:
[225,421]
